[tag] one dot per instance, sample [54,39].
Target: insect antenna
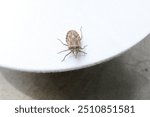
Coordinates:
[65,56]
[82,52]
[62,42]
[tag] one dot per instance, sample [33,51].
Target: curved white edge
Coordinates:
[75,68]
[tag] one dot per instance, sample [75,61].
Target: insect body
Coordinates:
[73,40]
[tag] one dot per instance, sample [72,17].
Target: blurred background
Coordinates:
[124,77]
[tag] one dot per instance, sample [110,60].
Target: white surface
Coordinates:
[123,78]
[29,31]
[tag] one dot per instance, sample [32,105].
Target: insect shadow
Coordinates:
[73,40]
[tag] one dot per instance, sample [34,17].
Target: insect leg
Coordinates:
[62,51]
[81,32]
[83,47]
[82,52]
[66,56]
[62,42]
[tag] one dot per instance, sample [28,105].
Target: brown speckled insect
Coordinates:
[73,40]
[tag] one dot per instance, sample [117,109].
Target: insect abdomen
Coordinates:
[73,38]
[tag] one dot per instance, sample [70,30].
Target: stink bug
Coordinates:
[73,40]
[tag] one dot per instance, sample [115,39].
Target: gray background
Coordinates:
[124,77]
